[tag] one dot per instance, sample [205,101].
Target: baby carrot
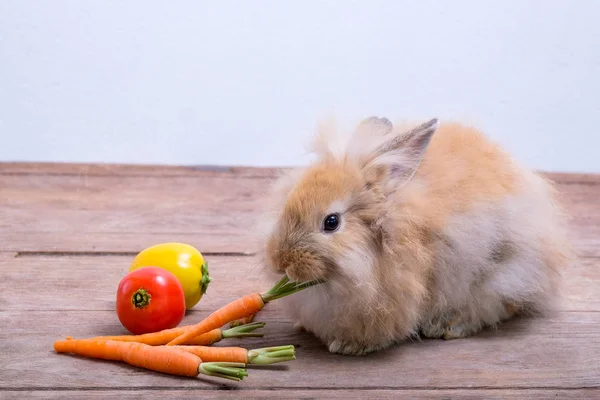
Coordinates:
[242,321]
[264,356]
[156,358]
[240,308]
[241,331]
[151,339]
[208,338]
[89,348]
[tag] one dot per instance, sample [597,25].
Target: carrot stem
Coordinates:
[227,370]
[264,356]
[281,282]
[240,308]
[284,288]
[246,330]
[271,355]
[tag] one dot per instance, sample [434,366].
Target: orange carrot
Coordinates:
[246,305]
[268,355]
[242,321]
[89,348]
[240,308]
[151,339]
[156,358]
[208,338]
[233,354]
[241,331]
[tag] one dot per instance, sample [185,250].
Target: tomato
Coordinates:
[184,261]
[150,299]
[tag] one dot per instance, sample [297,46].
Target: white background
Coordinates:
[245,82]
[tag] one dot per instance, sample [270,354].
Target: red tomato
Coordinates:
[150,299]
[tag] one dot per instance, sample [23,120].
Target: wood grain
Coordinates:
[51,213]
[90,282]
[544,353]
[309,393]
[69,231]
[109,169]
[585,238]
[218,213]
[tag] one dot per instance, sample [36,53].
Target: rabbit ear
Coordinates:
[366,136]
[380,126]
[402,153]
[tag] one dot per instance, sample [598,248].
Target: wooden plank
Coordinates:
[544,354]
[207,241]
[569,177]
[284,393]
[149,170]
[586,240]
[218,214]
[90,282]
[62,168]
[100,208]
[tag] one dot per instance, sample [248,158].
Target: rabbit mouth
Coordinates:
[305,274]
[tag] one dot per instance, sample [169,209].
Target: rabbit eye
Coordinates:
[331,223]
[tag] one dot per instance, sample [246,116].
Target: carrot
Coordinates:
[240,308]
[241,331]
[89,348]
[242,321]
[233,354]
[264,356]
[156,358]
[208,338]
[151,339]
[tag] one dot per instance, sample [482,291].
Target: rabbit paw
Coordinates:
[349,348]
[457,330]
[444,328]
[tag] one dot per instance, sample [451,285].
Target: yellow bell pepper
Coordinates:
[184,261]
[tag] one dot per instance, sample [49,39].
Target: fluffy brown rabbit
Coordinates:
[433,230]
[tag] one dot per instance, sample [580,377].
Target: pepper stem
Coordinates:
[141,298]
[246,330]
[227,370]
[284,288]
[271,355]
[206,279]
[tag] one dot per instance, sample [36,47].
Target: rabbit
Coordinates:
[427,231]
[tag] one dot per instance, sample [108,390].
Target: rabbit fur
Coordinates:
[441,233]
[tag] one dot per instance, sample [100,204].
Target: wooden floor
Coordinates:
[69,232]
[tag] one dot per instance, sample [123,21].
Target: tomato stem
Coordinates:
[141,298]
